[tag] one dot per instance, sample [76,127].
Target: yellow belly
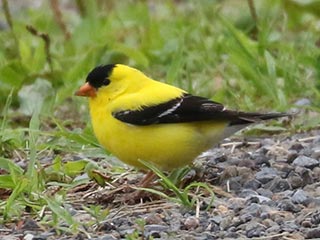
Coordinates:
[166,145]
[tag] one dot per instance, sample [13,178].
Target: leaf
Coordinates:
[75,167]
[32,96]
[19,188]
[6,182]
[61,212]
[12,75]
[10,166]
[25,52]
[271,64]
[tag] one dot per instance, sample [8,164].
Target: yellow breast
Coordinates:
[166,145]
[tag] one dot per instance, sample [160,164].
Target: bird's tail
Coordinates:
[250,117]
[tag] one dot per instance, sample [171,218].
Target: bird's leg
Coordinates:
[148,178]
[138,195]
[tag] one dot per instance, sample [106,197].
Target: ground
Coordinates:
[265,188]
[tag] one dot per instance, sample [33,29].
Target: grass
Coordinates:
[210,48]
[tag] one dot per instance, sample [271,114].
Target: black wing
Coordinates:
[189,108]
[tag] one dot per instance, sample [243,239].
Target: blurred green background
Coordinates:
[212,48]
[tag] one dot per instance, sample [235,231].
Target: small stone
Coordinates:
[299,196]
[109,237]
[295,180]
[226,222]
[229,172]
[236,204]
[261,160]
[246,217]
[247,163]
[259,199]
[313,233]
[254,230]
[154,230]
[306,162]
[315,217]
[232,235]
[154,219]
[312,203]
[234,184]
[316,153]
[282,195]
[265,192]
[306,175]
[265,175]
[296,146]
[28,236]
[247,193]
[253,209]
[306,152]
[287,205]
[289,226]
[292,156]
[30,224]
[273,229]
[279,185]
[265,215]
[191,223]
[316,173]
[316,141]
[306,224]
[216,219]
[252,184]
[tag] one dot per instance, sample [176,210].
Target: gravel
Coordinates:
[265,187]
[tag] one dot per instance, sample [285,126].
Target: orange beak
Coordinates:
[86,90]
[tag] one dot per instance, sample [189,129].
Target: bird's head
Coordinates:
[111,79]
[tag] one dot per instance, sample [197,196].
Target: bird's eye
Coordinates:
[105,82]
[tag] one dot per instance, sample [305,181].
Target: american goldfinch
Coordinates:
[137,118]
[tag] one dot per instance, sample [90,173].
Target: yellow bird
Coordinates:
[137,118]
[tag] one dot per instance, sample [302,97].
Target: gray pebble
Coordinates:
[216,219]
[315,153]
[295,180]
[292,156]
[273,229]
[299,196]
[279,185]
[315,217]
[191,223]
[306,224]
[234,184]
[306,162]
[266,174]
[306,175]
[254,229]
[313,233]
[154,230]
[289,226]
[226,222]
[253,209]
[252,184]
[109,237]
[265,192]
[288,205]
[246,217]
[247,193]
[236,203]
[259,199]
